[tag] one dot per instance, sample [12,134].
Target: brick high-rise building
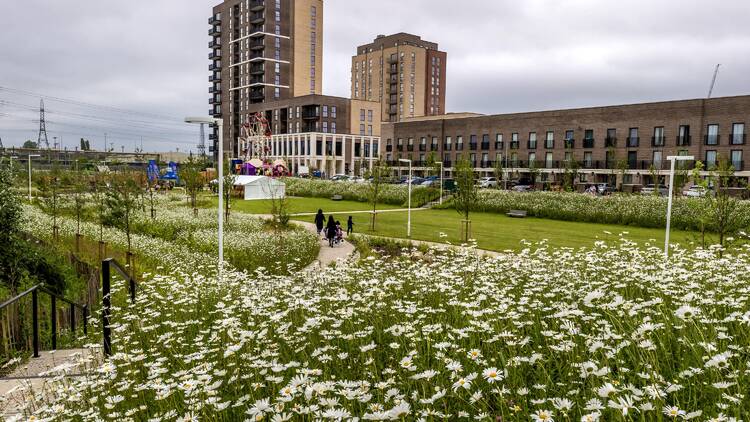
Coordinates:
[403,73]
[262,50]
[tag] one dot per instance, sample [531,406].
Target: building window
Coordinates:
[369,130]
[325,127]
[633,139]
[683,137]
[362,115]
[736,160]
[549,141]
[362,129]
[369,116]
[657,160]
[588,160]
[459,143]
[712,137]
[532,140]
[738,134]
[548,160]
[588,138]
[532,159]
[514,140]
[658,139]
[333,111]
[325,111]
[333,127]
[499,141]
[710,160]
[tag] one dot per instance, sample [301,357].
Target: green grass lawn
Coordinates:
[297,205]
[498,232]
[492,231]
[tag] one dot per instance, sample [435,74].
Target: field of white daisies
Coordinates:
[607,333]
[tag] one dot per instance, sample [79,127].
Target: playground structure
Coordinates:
[254,149]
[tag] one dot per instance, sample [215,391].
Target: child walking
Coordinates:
[349,226]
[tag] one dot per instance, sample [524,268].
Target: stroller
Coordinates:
[339,238]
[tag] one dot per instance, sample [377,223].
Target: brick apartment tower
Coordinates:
[403,73]
[261,51]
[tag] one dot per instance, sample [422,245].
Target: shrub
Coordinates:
[391,194]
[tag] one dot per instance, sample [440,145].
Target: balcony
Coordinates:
[389,148]
[215,113]
[214,90]
[214,78]
[257,69]
[399,147]
[214,100]
[610,142]
[460,146]
[712,139]
[514,144]
[683,141]
[447,147]
[257,44]
[257,96]
[434,147]
[633,141]
[570,143]
[257,5]
[215,31]
[216,44]
[588,143]
[472,146]
[213,55]
[499,146]
[214,66]
[213,20]
[422,147]
[531,145]
[310,115]
[257,18]
[737,138]
[410,147]
[485,146]
[549,144]
[657,141]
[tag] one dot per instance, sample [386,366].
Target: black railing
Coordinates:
[447,147]
[570,143]
[737,138]
[531,145]
[610,142]
[485,146]
[34,292]
[683,141]
[422,147]
[513,144]
[498,145]
[738,165]
[410,147]
[447,163]
[389,148]
[657,141]
[549,144]
[633,141]
[107,266]
[588,143]
[712,139]
[460,146]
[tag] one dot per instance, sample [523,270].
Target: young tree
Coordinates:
[570,174]
[122,203]
[432,165]
[534,172]
[728,219]
[380,174]
[10,222]
[228,185]
[193,179]
[654,173]
[466,194]
[49,200]
[279,207]
[80,188]
[499,172]
[622,167]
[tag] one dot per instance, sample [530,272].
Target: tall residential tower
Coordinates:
[405,74]
[261,51]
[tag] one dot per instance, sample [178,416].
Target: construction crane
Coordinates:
[713,81]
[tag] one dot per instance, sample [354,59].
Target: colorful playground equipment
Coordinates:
[255,148]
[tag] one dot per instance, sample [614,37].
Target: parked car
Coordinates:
[522,188]
[431,183]
[488,182]
[695,191]
[340,178]
[649,190]
[357,179]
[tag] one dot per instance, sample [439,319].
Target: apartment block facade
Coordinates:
[260,51]
[319,132]
[629,142]
[402,72]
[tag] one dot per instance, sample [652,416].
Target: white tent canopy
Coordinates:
[260,187]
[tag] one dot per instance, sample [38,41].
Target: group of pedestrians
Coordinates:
[332,230]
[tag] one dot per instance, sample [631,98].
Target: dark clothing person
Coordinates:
[320,221]
[331,230]
[349,226]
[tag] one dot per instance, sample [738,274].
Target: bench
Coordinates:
[337,198]
[516,214]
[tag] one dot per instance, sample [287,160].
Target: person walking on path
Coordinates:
[331,230]
[349,226]
[320,221]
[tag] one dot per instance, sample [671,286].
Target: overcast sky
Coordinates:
[150,57]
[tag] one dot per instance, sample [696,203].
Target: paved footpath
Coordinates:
[32,376]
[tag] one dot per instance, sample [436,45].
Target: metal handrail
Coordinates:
[107,265]
[34,292]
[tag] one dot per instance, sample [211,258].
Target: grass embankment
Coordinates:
[296,205]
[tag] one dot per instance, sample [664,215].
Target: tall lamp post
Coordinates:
[220,124]
[672,160]
[408,221]
[30,157]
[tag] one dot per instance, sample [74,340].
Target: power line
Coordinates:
[85,104]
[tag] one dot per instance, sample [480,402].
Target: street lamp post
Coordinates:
[30,157]
[220,124]
[408,222]
[672,159]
